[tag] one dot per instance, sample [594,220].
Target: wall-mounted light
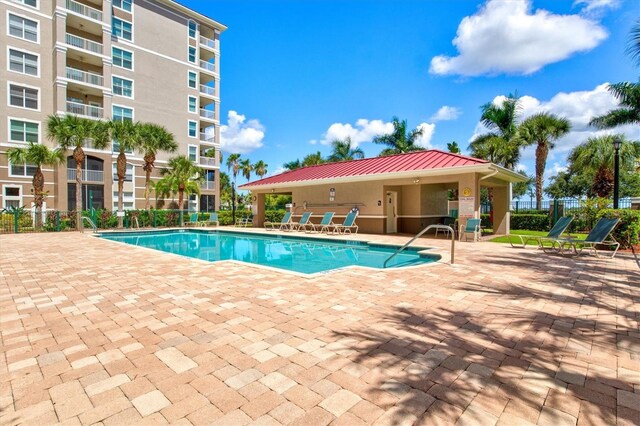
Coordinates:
[416,180]
[379,203]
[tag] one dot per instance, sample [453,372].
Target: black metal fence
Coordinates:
[563,204]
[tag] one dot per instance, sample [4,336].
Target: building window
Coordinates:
[12,196]
[22,62]
[122,87]
[23,131]
[193,153]
[23,97]
[193,104]
[193,27]
[23,28]
[122,58]
[193,80]
[22,170]
[122,113]
[122,29]
[32,3]
[123,4]
[128,175]
[192,55]
[193,127]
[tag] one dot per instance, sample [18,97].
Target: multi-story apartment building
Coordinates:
[143,60]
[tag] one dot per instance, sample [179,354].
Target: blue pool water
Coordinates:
[303,255]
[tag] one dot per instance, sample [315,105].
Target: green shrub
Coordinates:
[484,221]
[531,222]
[274,216]
[627,233]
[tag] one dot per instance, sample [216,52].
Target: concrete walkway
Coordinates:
[94,331]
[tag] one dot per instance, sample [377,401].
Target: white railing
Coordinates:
[208,42]
[207,138]
[208,161]
[207,185]
[207,113]
[87,175]
[85,76]
[209,66]
[208,90]
[83,43]
[127,177]
[84,10]
[86,110]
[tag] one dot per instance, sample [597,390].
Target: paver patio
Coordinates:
[99,332]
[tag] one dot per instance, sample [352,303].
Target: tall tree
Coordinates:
[73,132]
[180,177]
[312,159]
[247,168]
[519,189]
[499,145]
[399,140]
[633,47]
[37,155]
[260,168]
[233,165]
[126,136]
[292,165]
[542,130]
[153,139]
[343,150]
[453,147]
[628,95]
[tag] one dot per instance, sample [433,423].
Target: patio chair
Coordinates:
[472,227]
[245,221]
[301,224]
[324,226]
[285,222]
[213,218]
[599,235]
[448,221]
[193,220]
[348,224]
[556,232]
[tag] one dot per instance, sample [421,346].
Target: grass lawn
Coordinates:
[505,239]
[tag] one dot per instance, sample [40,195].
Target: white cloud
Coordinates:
[239,135]
[506,37]
[597,5]
[363,131]
[427,133]
[446,113]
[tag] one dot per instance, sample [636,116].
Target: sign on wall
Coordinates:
[466,206]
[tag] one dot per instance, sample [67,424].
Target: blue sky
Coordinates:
[296,74]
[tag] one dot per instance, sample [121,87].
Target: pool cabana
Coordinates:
[394,194]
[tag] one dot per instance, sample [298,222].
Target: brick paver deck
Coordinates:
[98,332]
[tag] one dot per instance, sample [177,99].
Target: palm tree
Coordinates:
[73,132]
[542,130]
[247,168]
[180,177]
[292,165]
[399,141]
[37,155]
[633,48]
[628,112]
[453,147]
[312,160]
[260,168]
[153,139]
[127,135]
[344,151]
[233,165]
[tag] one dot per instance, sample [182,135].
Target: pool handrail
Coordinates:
[418,235]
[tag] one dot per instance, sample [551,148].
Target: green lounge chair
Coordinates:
[213,218]
[193,220]
[599,235]
[301,224]
[447,221]
[348,224]
[472,227]
[556,232]
[284,223]
[324,226]
[245,221]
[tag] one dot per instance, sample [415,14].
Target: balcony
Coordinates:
[209,66]
[85,110]
[207,42]
[85,77]
[87,175]
[209,185]
[208,162]
[207,138]
[83,43]
[207,90]
[84,10]
[208,114]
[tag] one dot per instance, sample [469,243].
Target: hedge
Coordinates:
[531,222]
[627,233]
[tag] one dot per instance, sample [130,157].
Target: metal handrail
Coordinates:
[93,225]
[419,234]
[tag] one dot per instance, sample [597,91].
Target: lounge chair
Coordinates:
[213,218]
[324,226]
[245,221]
[448,221]
[348,224]
[556,232]
[285,222]
[193,220]
[301,224]
[599,235]
[472,227]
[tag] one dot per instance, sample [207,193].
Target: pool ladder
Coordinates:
[93,225]
[419,234]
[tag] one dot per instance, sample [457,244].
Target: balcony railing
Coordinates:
[208,42]
[208,161]
[207,138]
[127,177]
[207,185]
[208,90]
[85,77]
[87,175]
[207,113]
[86,110]
[84,10]
[209,66]
[83,43]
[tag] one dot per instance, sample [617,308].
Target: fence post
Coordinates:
[16,221]
[154,218]
[555,211]
[57,221]
[517,203]
[126,221]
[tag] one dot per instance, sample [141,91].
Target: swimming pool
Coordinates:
[303,255]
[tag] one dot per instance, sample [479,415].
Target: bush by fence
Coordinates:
[627,233]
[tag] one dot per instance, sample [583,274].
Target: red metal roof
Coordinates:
[413,161]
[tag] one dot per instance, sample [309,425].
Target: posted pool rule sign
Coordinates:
[466,206]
